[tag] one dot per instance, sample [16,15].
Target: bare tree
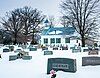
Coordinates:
[31,18]
[82,15]
[23,22]
[51,20]
[12,24]
[64,21]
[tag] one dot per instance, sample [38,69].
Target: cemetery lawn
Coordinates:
[37,66]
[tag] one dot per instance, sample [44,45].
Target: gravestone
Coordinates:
[44,48]
[12,57]
[5,50]
[33,49]
[64,48]
[48,52]
[63,64]
[93,60]
[76,50]
[93,52]
[55,48]
[11,48]
[27,57]
[72,47]
[17,50]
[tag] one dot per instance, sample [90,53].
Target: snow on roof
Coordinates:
[58,31]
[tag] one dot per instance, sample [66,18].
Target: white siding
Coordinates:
[72,42]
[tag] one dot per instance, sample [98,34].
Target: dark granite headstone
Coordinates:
[93,60]
[55,48]
[44,48]
[64,48]
[17,50]
[63,64]
[27,57]
[76,50]
[5,50]
[72,47]
[12,57]
[48,52]
[33,49]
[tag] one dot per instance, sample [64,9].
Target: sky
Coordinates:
[48,7]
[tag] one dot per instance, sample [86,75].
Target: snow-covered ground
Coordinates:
[37,66]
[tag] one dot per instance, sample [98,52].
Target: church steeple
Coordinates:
[46,22]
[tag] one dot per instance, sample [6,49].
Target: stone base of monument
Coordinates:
[62,64]
[93,60]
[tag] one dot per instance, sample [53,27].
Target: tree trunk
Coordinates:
[33,39]
[15,39]
[83,41]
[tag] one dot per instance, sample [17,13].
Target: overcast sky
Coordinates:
[48,7]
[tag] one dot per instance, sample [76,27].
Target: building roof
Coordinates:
[58,31]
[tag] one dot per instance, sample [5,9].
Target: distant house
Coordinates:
[59,36]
